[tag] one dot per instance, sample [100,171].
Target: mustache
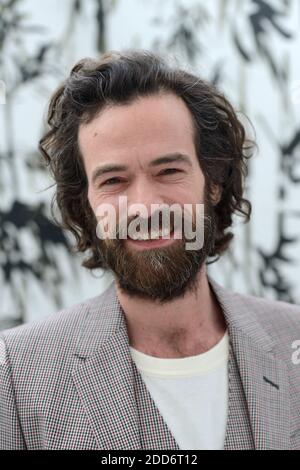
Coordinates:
[158,220]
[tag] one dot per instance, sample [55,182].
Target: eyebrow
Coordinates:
[163,159]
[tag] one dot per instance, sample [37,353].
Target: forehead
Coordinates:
[143,129]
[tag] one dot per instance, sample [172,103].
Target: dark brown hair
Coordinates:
[119,78]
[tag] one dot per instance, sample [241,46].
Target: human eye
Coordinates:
[170,171]
[111,181]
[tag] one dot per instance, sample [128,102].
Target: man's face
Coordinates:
[134,137]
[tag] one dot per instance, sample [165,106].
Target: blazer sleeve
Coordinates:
[11,436]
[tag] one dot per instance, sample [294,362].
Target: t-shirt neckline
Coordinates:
[185,366]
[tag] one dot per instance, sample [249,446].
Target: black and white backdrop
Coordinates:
[249,48]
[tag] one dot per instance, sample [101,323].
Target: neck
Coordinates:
[182,327]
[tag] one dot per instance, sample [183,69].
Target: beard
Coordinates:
[162,273]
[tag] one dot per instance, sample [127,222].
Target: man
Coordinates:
[165,358]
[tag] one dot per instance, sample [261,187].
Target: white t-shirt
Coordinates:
[191,394]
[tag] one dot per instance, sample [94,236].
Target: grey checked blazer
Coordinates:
[68,381]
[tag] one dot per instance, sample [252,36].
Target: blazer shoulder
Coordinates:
[280,319]
[56,332]
[273,309]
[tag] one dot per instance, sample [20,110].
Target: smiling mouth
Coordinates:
[151,242]
[152,236]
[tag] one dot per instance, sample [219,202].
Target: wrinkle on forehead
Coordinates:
[139,131]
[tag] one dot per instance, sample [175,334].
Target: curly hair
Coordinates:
[119,78]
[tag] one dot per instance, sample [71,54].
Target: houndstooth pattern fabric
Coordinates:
[68,381]
[238,430]
[154,432]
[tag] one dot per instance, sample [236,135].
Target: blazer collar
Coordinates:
[105,316]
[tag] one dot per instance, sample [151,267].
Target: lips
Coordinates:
[151,243]
[153,236]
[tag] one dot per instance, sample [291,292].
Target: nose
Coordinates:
[144,193]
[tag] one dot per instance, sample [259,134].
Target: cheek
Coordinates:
[96,199]
[105,209]
[198,187]
[191,191]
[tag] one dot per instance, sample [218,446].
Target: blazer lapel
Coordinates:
[264,377]
[104,378]
[154,431]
